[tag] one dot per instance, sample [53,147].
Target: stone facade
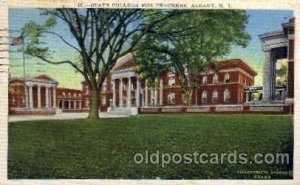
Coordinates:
[278,45]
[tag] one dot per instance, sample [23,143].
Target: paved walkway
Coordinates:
[60,116]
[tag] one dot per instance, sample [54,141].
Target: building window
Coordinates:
[227,78]
[13,100]
[241,79]
[171,81]
[87,103]
[245,81]
[75,95]
[103,100]
[226,95]
[87,90]
[215,96]
[204,96]
[215,78]
[104,86]
[23,100]
[171,98]
[204,80]
[70,94]
[64,94]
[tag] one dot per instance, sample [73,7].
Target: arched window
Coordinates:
[171,81]
[215,78]
[204,80]
[227,78]
[103,100]
[204,96]
[215,96]
[226,95]
[104,86]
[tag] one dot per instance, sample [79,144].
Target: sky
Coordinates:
[260,21]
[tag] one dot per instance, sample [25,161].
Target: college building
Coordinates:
[227,87]
[224,84]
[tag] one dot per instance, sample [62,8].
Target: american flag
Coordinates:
[17,40]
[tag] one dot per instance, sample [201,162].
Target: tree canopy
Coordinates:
[185,44]
[101,37]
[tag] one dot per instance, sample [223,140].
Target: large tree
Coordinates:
[99,36]
[185,44]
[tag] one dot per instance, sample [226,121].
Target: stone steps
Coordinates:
[130,111]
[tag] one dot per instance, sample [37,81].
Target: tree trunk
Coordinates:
[94,110]
[188,95]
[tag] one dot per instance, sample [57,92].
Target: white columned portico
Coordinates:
[30,97]
[129,92]
[114,92]
[275,47]
[39,96]
[137,95]
[121,93]
[118,77]
[47,96]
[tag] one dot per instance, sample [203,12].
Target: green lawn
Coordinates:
[105,148]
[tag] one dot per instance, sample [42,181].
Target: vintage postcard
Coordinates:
[144,92]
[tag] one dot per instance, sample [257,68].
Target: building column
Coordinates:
[75,104]
[146,93]
[54,97]
[247,96]
[69,102]
[30,97]
[196,96]
[143,97]
[151,96]
[161,91]
[155,92]
[121,93]
[50,95]
[39,96]
[269,76]
[129,92]
[62,104]
[47,97]
[114,92]
[137,95]
[80,104]
[26,97]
